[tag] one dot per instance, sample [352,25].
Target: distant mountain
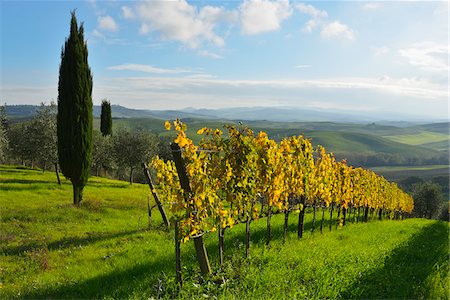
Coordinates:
[273,114]
[277,114]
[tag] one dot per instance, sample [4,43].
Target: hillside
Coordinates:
[414,144]
[349,138]
[359,142]
[105,250]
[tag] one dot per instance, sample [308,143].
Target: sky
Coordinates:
[348,56]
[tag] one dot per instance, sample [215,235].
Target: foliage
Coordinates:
[105,118]
[42,134]
[228,176]
[131,149]
[3,133]
[19,145]
[428,199]
[164,151]
[74,121]
[102,152]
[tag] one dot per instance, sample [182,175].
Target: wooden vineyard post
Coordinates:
[338,216]
[269,234]
[357,218]
[247,237]
[178,256]
[155,196]
[202,255]
[344,214]
[301,218]
[331,215]
[286,220]
[314,217]
[323,218]
[366,214]
[221,232]
[380,214]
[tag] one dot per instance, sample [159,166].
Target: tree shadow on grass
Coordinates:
[67,242]
[145,278]
[24,181]
[406,269]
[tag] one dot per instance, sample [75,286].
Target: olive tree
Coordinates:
[131,149]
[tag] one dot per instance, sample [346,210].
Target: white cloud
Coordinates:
[127,13]
[318,19]
[337,30]
[429,56]
[148,69]
[380,50]
[370,94]
[182,22]
[311,10]
[210,54]
[97,34]
[107,23]
[372,6]
[302,66]
[316,14]
[258,16]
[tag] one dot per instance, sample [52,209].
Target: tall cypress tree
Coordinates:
[105,118]
[74,120]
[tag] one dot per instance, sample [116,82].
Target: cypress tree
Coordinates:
[105,118]
[74,120]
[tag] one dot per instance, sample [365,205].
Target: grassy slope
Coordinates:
[51,250]
[339,138]
[402,172]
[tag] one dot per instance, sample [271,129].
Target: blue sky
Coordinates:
[352,56]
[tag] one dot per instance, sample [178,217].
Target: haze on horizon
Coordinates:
[371,57]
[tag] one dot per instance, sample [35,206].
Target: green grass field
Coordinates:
[339,138]
[429,139]
[105,249]
[401,172]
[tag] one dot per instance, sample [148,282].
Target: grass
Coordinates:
[105,249]
[339,138]
[425,137]
[402,172]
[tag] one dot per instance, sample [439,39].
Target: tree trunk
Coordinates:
[366,214]
[301,218]
[77,195]
[247,238]
[202,256]
[344,214]
[357,218]
[156,196]
[43,168]
[221,244]
[338,216]
[286,220]
[57,173]
[269,236]
[131,175]
[331,215]
[314,217]
[380,212]
[323,218]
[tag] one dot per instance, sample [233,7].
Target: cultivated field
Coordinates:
[105,249]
